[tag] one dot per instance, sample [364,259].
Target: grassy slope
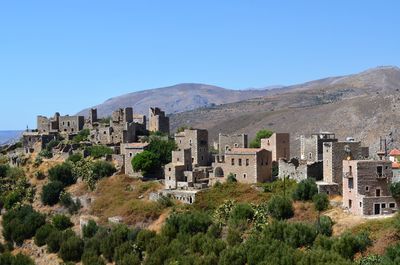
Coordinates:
[126,197]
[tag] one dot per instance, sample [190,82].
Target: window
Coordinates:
[379,171]
[360,204]
[350,183]
[310,156]
[247,162]
[351,170]
[202,158]
[244,175]
[350,203]
[378,192]
[130,154]
[177,159]
[190,142]
[366,188]
[236,145]
[240,161]
[383,205]
[392,205]
[233,162]
[169,178]
[169,169]
[226,147]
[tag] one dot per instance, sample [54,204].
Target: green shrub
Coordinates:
[62,173]
[92,258]
[231,178]
[42,234]
[241,214]
[395,190]
[305,190]
[12,198]
[3,170]
[67,201]
[75,158]
[50,145]
[347,245]
[325,225]
[115,238]
[90,229]
[321,202]
[21,223]
[146,162]
[98,151]
[72,249]
[256,142]
[40,175]
[53,241]
[46,154]
[102,169]
[82,136]
[187,223]
[51,192]
[234,237]
[162,149]
[61,222]
[280,207]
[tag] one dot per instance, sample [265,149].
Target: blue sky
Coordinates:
[67,55]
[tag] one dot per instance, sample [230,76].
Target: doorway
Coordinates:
[377,208]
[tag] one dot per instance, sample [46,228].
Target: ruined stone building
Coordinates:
[197,141]
[311,147]
[122,128]
[333,155]
[366,187]
[128,151]
[299,169]
[35,141]
[278,144]
[158,121]
[60,124]
[226,142]
[249,165]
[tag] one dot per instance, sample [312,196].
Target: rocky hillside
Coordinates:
[177,98]
[365,106]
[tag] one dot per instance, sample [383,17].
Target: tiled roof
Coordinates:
[395,152]
[395,165]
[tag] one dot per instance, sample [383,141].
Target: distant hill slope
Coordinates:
[364,105]
[9,136]
[177,98]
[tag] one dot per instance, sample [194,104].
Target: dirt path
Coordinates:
[157,224]
[343,220]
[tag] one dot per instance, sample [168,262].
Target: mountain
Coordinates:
[9,136]
[364,105]
[177,98]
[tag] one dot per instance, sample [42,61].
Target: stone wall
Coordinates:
[197,141]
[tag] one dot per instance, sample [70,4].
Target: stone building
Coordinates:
[278,144]
[197,141]
[333,155]
[158,121]
[62,124]
[299,169]
[35,141]
[249,165]
[129,150]
[228,141]
[311,148]
[122,129]
[365,187]
[182,180]
[71,124]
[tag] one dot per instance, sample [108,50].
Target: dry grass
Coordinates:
[126,197]
[304,212]
[213,197]
[382,232]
